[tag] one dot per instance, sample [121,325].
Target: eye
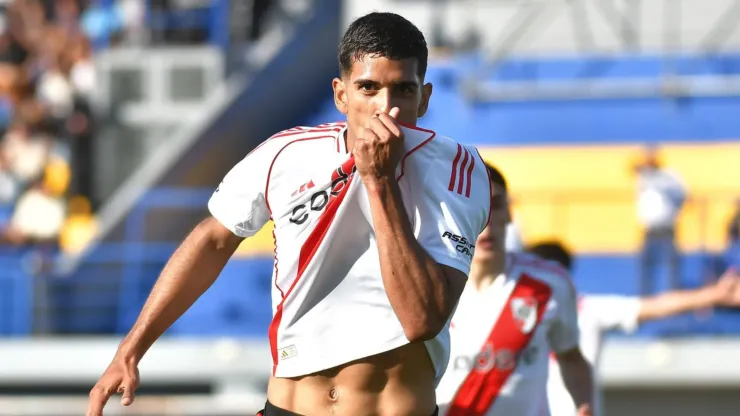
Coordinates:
[366,86]
[405,89]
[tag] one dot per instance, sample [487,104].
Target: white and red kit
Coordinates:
[596,314]
[329,303]
[502,336]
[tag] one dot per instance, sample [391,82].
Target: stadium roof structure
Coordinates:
[668,31]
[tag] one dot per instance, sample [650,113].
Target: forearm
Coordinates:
[191,270]
[577,375]
[676,302]
[416,285]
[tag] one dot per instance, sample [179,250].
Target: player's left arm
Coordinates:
[564,340]
[423,286]
[724,292]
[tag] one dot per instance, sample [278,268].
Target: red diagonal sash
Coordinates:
[509,336]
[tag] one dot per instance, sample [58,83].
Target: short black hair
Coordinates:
[385,35]
[554,251]
[496,176]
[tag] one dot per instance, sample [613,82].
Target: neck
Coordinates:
[484,273]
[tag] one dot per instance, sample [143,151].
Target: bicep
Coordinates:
[222,237]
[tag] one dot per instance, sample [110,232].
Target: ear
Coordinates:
[340,95]
[426,94]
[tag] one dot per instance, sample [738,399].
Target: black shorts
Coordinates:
[272,410]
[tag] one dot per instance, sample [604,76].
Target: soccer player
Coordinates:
[515,309]
[374,224]
[600,313]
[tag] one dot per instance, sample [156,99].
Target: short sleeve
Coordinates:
[612,311]
[564,333]
[239,203]
[449,217]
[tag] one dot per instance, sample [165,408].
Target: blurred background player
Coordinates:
[515,309]
[600,313]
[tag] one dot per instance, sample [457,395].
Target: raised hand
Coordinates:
[585,410]
[727,288]
[379,148]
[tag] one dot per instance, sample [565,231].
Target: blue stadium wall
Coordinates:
[569,167]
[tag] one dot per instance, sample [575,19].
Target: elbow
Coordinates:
[217,236]
[423,330]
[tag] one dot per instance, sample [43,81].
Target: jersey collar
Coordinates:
[341,143]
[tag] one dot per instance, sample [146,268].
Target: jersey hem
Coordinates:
[311,365]
[221,218]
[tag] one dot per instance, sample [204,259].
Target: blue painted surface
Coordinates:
[602,121]
[239,304]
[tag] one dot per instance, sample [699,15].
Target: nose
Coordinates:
[383,101]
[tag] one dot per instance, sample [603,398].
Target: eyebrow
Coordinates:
[361,81]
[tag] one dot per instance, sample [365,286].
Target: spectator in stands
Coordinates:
[46,82]
[660,197]
[102,22]
[39,213]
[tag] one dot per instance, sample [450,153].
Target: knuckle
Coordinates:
[367,133]
[398,133]
[97,391]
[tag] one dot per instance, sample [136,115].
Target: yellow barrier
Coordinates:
[586,195]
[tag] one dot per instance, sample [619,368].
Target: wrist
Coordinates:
[130,351]
[714,294]
[378,184]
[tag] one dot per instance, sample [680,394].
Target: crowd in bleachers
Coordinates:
[47,126]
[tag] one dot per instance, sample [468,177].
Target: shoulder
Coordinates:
[450,164]
[546,271]
[442,147]
[284,138]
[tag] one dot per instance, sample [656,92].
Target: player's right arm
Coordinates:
[239,209]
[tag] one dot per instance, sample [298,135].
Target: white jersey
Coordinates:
[502,336]
[329,303]
[596,314]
